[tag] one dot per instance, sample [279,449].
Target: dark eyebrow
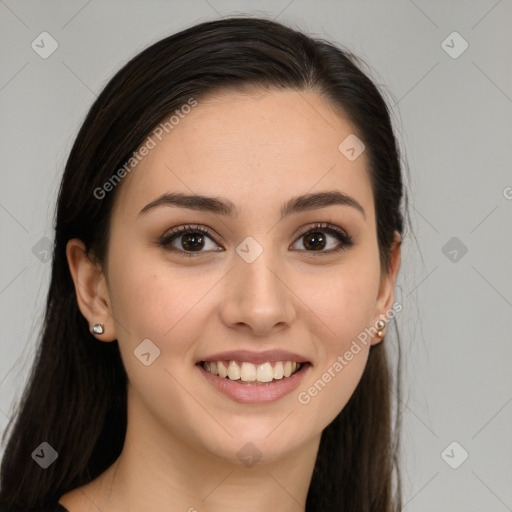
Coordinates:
[319,200]
[221,206]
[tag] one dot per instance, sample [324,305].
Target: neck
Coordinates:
[160,472]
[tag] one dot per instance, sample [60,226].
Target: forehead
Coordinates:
[255,149]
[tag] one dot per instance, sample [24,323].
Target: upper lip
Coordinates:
[255,357]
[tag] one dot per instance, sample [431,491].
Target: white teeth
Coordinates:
[233,371]
[248,372]
[223,371]
[278,370]
[264,373]
[213,368]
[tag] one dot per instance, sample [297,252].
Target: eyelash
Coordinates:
[345,240]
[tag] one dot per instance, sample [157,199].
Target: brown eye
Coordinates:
[192,241]
[316,239]
[188,239]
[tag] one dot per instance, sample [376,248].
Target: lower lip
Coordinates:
[256,394]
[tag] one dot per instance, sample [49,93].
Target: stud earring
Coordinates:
[380,325]
[98,329]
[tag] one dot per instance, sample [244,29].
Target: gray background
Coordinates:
[453,117]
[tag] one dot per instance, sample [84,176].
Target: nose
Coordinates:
[257,298]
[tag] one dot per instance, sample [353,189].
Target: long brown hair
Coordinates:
[75,398]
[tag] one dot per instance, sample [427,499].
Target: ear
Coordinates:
[91,289]
[386,294]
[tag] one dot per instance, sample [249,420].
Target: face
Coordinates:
[306,282]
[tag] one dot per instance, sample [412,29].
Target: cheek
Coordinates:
[329,389]
[345,300]
[347,307]
[152,298]
[344,350]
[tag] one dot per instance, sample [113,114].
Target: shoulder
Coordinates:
[73,501]
[84,498]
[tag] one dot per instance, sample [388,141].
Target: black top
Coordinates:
[52,506]
[57,507]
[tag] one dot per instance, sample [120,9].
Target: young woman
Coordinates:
[227,243]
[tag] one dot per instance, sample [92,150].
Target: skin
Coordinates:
[257,150]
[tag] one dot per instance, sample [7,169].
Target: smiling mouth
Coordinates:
[243,372]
